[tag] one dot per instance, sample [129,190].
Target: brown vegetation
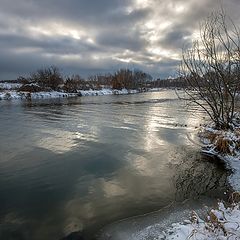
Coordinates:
[221,142]
[50,78]
[223,145]
[30,88]
[47,78]
[74,83]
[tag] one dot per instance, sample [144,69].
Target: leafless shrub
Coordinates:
[125,78]
[74,83]
[211,69]
[47,78]
[23,80]
[30,88]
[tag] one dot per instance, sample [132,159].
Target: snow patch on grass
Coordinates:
[221,223]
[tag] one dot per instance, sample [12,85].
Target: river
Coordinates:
[78,164]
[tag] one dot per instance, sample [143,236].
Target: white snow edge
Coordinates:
[222,223]
[8,95]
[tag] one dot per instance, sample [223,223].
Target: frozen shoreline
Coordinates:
[221,223]
[12,95]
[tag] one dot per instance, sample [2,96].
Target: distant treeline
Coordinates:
[50,78]
[167,83]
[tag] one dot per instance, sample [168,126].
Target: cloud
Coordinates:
[175,38]
[87,37]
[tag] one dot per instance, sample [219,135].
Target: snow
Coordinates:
[155,89]
[152,225]
[38,95]
[234,178]
[221,223]
[107,91]
[9,92]
[177,222]
[10,86]
[8,95]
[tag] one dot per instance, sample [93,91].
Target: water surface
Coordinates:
[78,164]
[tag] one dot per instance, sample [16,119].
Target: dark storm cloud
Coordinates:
[77,11]
[126,40]
[58,44]
[92,36]
[175,37]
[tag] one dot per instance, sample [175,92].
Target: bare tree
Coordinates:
[211,69]
[125,78]
[48,77]
[74,83]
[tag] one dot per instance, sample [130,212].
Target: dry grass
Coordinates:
[222,145]
[211,136]
[213,223]
[234,198]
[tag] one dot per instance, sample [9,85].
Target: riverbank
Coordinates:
[10,94]
[221,222]
[177,222]
[226,146]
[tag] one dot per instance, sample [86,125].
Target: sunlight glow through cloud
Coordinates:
[142,3]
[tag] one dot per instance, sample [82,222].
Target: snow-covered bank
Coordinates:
[10,86]
[221,223]
[107,91]
[8,95]
[225,145]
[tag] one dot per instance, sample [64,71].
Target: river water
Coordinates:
[78,164]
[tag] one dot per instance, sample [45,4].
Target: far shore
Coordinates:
[12,94]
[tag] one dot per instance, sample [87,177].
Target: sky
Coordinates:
[88,37]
